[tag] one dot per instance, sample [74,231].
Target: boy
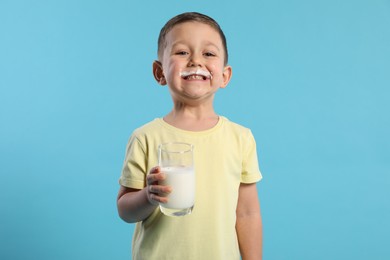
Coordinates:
[226,221]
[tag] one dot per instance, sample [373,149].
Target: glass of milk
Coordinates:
[177,162]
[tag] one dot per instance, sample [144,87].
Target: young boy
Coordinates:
[226,221]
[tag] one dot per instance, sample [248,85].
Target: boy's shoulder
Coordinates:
[234,126]
[148,127]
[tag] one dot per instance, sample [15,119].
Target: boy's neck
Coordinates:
[192,119]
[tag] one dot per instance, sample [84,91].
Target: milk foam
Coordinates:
[198,71]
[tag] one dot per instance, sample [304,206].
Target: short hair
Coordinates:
[190,17]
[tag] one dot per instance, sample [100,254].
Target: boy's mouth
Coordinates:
[198,74]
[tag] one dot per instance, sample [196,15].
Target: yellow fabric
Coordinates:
[224,156]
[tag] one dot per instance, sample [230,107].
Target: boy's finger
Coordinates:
[152,178]
[162,190]
[155,169]
[158,199]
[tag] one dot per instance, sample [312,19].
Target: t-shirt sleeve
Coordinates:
[250,166]
[134,167]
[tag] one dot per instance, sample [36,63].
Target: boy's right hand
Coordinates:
[156,193]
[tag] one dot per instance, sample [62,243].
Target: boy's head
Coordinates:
[192,57]
[190,17]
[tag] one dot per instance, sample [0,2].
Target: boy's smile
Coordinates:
[192,63]
[198,74]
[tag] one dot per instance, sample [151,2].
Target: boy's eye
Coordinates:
[181,53]
[209,54]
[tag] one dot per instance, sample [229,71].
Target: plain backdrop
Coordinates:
[310,78]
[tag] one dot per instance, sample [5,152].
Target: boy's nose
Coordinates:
[194,61]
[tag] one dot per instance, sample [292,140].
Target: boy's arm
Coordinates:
[248,223]
[136,205]
[133,205]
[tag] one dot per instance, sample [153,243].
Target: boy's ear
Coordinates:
[158,73]
[227,75]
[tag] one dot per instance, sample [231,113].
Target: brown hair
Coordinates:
[190,17]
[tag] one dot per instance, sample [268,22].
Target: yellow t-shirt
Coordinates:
[224,157]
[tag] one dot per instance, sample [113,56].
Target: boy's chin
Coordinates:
[198,95]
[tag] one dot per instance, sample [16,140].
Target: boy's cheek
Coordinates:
[214,70]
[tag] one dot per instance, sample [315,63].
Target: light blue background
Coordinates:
[311,79]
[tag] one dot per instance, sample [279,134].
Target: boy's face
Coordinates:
[192,63]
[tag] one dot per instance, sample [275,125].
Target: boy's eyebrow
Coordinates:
[212,44]
[177,43]
[207,43]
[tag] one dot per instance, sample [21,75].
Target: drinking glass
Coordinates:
[177,162]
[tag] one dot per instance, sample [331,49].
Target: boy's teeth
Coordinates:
[195,77]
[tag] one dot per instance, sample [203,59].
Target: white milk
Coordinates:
[182,181]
